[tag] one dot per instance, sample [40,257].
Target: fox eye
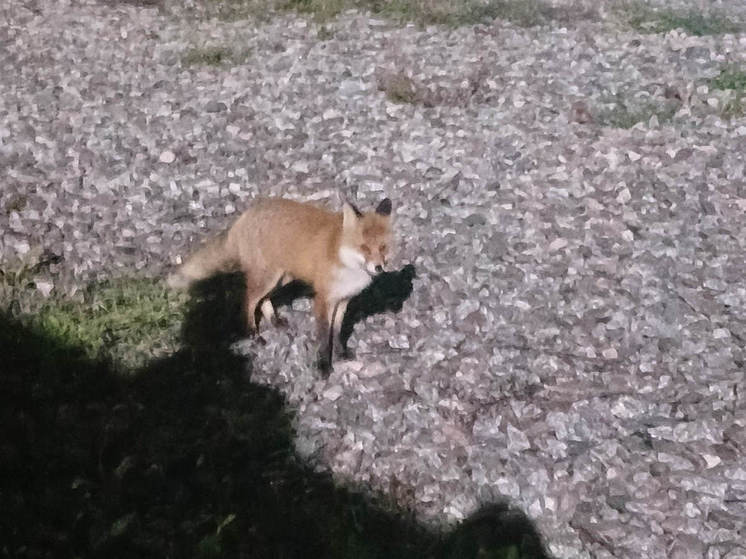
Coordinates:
[365,249]
[382,248]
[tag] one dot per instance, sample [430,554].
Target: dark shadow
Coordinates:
[187,458]
[387,292]
[495,530]
[219,319]
[223,297]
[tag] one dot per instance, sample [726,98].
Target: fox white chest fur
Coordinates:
[350,277]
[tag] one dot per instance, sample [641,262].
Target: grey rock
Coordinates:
[215,107]
[475,220]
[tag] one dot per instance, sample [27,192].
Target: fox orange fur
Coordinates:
[277,240]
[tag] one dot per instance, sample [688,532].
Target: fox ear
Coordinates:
[347,202]
[384,208]
[350,215]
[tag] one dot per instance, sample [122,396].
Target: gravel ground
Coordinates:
[575,339]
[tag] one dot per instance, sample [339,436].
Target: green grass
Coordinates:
[622,116]
[645,19]
[213,56]
[238,10]
[524,13]
[730,77]
[400,88]
[126,322]
[733,80]
[130,321]
[322,10]
[622,113]
[16,203]
[528,13]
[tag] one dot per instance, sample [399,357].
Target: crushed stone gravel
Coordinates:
[575,338]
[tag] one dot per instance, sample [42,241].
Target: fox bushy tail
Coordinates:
[213,257]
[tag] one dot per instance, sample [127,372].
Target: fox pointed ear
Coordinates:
[384,208]
[347,202]
[350,215]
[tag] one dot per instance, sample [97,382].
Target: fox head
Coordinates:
[366,237]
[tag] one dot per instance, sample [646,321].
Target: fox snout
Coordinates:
[374,268]
[375,257]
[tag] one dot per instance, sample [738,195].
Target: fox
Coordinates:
[277,240]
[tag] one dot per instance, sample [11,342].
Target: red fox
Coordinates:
[277,240]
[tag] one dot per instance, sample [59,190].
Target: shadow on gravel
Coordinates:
[188,458]
[387,293]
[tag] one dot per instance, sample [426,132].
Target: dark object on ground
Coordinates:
[387,293]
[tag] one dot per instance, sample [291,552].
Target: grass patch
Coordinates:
[620,112]
[529,13]
[734,107]
[125,322]
[321,10]
[645,19]
[733,80]
[238,10]
[15,203]
[400,88]
[213,56]
[524,13]
[730,78]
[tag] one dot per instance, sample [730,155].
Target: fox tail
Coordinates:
[213,257]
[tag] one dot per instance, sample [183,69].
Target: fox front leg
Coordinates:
[270,314]
[325,334]
[268,310]
[340,346]
[258,287]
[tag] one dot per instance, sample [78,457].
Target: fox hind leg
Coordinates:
[268,311]
[270,315]
[258,286]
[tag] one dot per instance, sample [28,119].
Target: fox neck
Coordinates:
[349,276]
[350,258]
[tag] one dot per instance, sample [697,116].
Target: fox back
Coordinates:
[307,242]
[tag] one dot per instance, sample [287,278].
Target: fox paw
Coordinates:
[324,365]
[344,353]
[280,322]
[254,334]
